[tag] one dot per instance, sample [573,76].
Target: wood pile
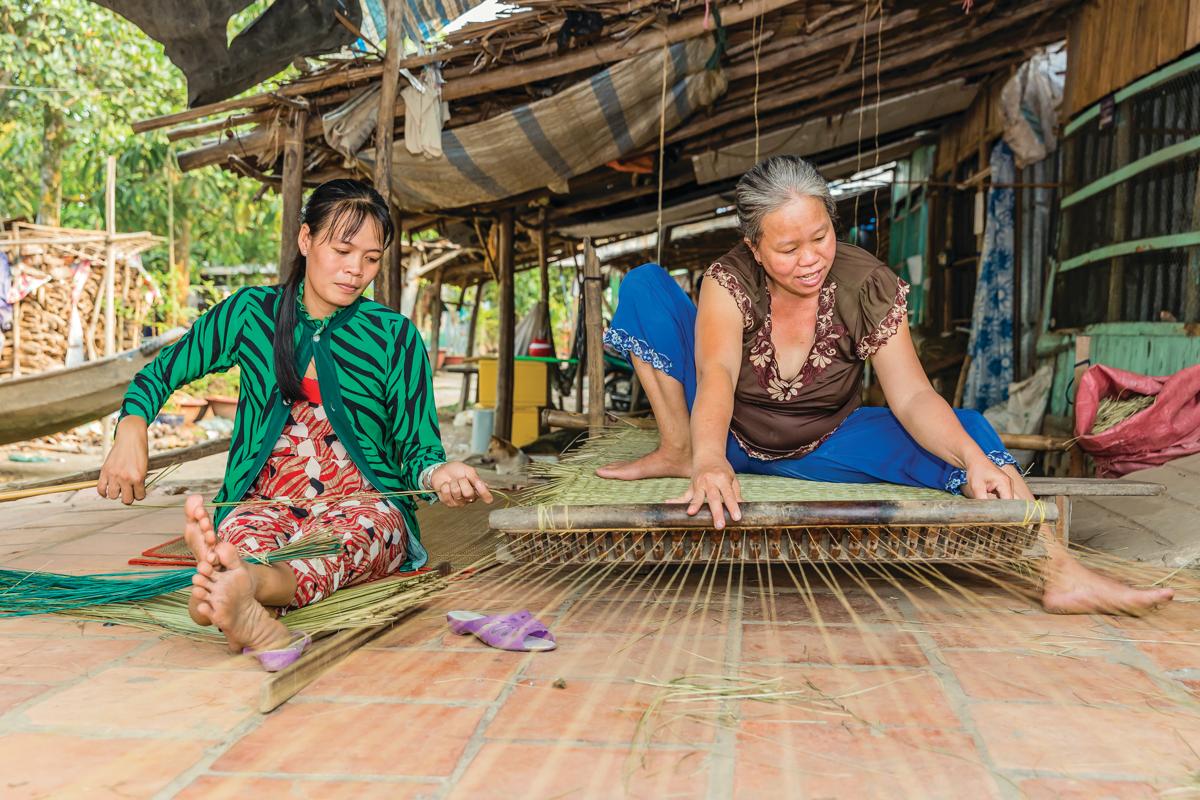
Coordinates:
[41,320]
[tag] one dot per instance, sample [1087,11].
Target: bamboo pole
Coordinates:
[464,398]
[435,327]
[293,192]
[506,366]
[110,267]
[389,283]
[595,347]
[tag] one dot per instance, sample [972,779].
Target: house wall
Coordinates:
[1110,43]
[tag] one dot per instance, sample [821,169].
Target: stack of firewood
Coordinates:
[38,339]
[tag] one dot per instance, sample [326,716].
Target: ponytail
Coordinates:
[285,334]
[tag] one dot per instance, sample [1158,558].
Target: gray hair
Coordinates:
[769,185]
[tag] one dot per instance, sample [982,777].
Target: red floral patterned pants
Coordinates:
[312,469]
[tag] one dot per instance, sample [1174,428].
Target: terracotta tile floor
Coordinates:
[899,691]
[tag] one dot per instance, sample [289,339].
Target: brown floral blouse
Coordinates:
[861,305]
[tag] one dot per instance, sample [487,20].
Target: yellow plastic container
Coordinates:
[529,382]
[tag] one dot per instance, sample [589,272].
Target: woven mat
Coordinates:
[171,553]
[573,481]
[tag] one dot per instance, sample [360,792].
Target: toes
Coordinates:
[227,554]
[205,569]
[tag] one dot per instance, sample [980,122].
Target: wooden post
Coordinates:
[595,347]
[544,274]
[435,324]
[581,367]
[292,190]
[464,399]
[110,255]
[506,366]
[1120,220]
[389,283]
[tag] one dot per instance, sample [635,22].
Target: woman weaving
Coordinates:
[764,377]
[340,450]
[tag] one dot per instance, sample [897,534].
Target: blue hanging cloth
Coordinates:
[991,344]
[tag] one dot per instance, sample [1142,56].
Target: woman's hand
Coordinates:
[123,476]
[457,484]
[714,483]
[986,480]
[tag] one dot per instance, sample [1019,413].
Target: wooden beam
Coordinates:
[766,515]
[506,366]
[595,345]
[292,190]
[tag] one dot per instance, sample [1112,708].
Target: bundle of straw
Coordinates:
[1113,411]
[351,607]
[23,593]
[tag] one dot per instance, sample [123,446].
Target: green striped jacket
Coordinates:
[375,385]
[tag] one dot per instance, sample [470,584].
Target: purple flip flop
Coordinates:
[275,660]
[520,631]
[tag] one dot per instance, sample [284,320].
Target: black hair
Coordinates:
[335,209]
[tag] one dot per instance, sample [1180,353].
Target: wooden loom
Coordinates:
[876,531]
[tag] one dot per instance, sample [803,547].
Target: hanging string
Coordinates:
[662,148]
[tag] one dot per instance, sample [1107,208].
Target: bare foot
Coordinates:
[201,538]
[1072,588]
[658,464]
[231,605]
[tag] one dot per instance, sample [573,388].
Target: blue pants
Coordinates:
[656,321]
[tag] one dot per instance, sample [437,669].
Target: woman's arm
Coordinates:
[415,429]
[928,417]
[210,345]
[718,361]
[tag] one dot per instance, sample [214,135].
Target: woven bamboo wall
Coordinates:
[1111,43]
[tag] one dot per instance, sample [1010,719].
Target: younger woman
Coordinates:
[335,416]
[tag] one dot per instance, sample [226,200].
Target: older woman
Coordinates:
[764,376]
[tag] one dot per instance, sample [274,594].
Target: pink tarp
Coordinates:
[1168,429]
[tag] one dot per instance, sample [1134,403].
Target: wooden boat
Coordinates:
[60,399]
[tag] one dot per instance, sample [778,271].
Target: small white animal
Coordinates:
[507,457]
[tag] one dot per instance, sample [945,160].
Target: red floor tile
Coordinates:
[1034,630]
[597,711]
[1051,679]
[13,694]
[795,607]
[502,771]
[237,787]
[888,696]
[197,703]
[177,652]
[813,644]
[356,739]
[1068,789]
[1085,740]
[418,675]
[654,619]
[610,656]
[28,658]
[776,760]
[57,765]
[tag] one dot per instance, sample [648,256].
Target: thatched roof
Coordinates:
[827,80]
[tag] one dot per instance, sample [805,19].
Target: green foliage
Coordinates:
[73,77]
